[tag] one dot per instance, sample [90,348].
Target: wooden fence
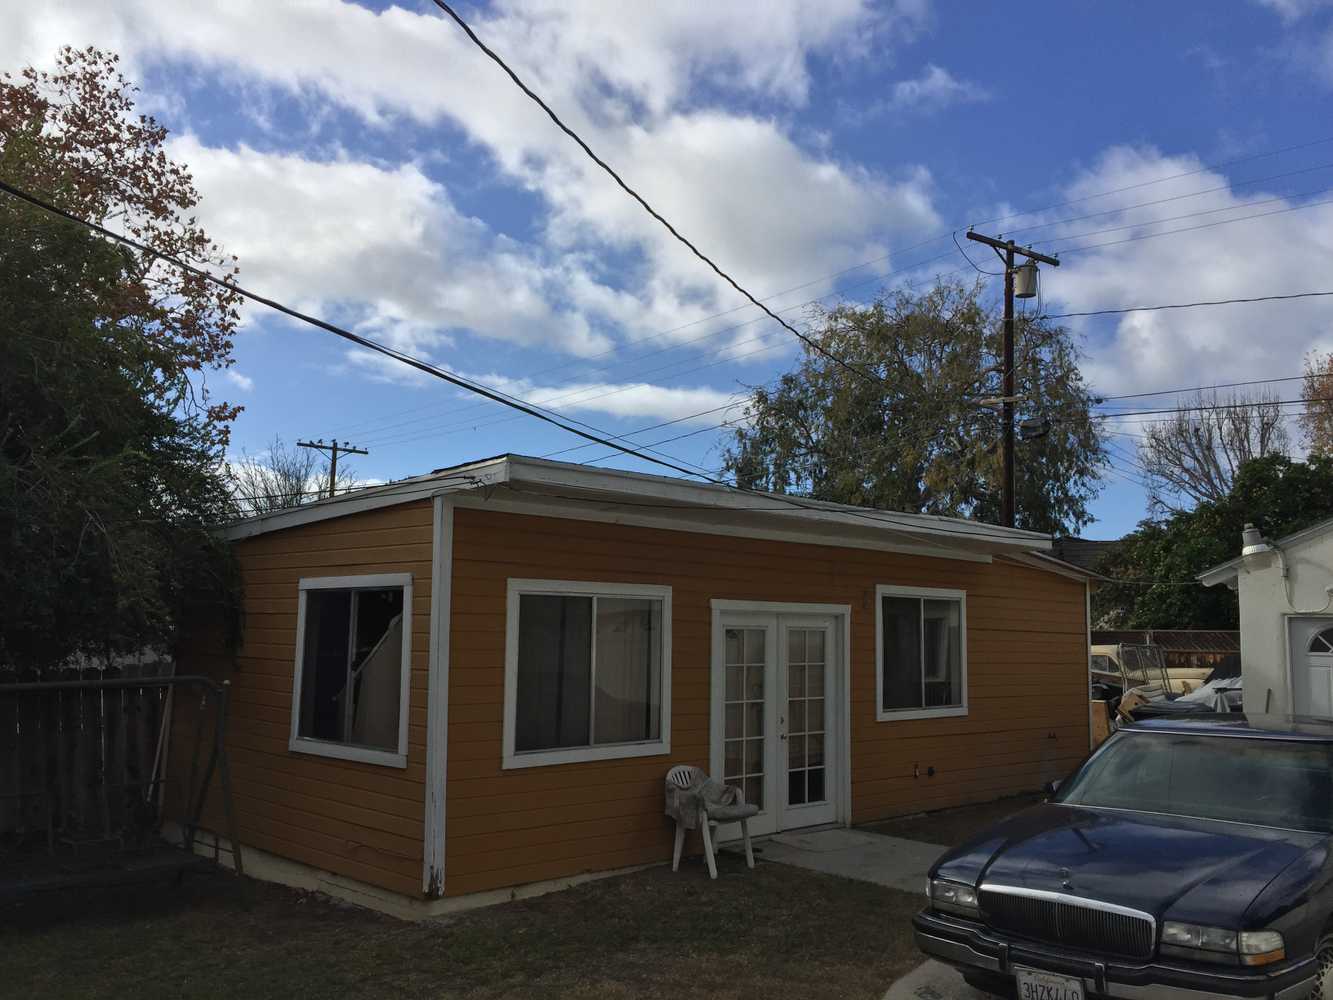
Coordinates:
[84,761]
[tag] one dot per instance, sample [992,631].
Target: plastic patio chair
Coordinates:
[686,780]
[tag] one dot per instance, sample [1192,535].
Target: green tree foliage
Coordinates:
[916,438]
[110,448]
[1276,493]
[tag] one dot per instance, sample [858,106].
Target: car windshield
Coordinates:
[1266,782]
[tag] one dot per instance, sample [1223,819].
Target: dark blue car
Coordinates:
[1185,859]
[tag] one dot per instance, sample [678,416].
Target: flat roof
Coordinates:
[686,504]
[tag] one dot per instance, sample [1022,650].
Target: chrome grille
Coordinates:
[1056,918]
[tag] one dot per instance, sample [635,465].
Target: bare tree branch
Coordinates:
[1193,456]
[283,477]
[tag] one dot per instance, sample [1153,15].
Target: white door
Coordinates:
[1311,659]
[776,719]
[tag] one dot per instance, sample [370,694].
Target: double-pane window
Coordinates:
[588,671]
[922,652]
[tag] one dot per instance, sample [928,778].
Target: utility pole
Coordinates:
[1007,251]
[333,451]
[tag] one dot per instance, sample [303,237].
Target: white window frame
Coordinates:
[925,593]
[604,751]
[346,751]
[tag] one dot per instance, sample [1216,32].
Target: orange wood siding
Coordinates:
[360,820]
[1027,681]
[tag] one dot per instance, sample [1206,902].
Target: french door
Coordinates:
[776,717]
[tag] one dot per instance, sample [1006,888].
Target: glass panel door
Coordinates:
[744,726]
[805,723]
[774,718]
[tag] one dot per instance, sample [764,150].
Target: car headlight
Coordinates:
[1217,944]
[953,897]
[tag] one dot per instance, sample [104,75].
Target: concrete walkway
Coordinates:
[890,861]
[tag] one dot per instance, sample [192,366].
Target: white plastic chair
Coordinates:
[684,777]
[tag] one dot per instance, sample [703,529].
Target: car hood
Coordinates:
[1200,871]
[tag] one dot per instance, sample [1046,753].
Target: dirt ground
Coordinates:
[775,932]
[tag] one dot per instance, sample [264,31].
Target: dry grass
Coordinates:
[776,932]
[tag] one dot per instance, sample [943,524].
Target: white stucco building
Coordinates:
[1285,588]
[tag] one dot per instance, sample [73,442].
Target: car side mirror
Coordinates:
[1051,787]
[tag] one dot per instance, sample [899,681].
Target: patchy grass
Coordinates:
[951,827]
[776,932]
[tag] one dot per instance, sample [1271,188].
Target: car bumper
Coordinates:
[967,945]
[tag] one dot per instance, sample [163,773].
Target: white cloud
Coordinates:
[1277,254]
[243,382]
[1294,10]
[769,210]
[386,243]
[632,399]
[1308,49]
[936,88]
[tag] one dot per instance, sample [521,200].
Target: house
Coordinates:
[529,646]
[1085,553]
[1285,588]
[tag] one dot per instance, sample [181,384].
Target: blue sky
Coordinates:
[366,163]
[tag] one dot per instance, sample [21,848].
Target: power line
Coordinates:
[1192,305]
[1285,199]
[436,371]
[1159,180]
[1210,408]
[654,427]
[361,428]
[1186,229]
[1205,388]
[355,338]
[809,341]
[1229,186]
[583,396]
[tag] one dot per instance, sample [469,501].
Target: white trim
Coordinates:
[566,475]
[780,608]
[1050,564]
[488,472]
[553,484]
[437,697]
[1288,619]
[845,806]
[1087,619]
[775,611]
[926,593]
[545,507]
[1228,571]
[369,581]
[510,758]
[344,751]
[266,867]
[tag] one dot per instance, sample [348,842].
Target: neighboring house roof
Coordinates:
[1082,552]
[1228,571]
[1184,640]
[573,490]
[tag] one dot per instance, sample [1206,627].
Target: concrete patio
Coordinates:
[869,857]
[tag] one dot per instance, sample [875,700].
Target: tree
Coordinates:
[1193,456]
[1277,494]
[917,435]
[1316,419]
[283,477]
[110,445]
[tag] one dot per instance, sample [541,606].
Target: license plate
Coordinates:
[1046,986]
